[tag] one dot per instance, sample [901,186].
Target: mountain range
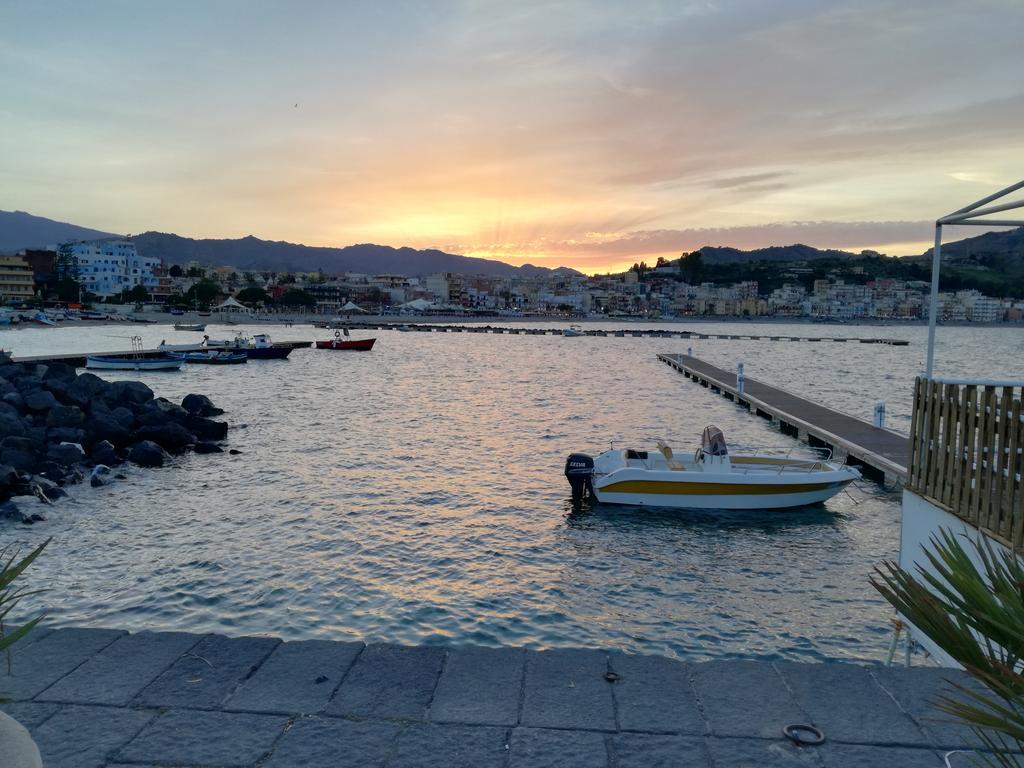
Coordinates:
[22,230]
[18,229]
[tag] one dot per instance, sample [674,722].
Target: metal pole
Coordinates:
[933,305]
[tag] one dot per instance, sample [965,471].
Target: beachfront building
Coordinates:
[108,267]
[16,281]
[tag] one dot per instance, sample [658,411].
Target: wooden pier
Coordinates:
[415,326]
[880,454]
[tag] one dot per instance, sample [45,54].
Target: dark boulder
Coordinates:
[85,389]
[124,416]
[65,416]
[39,400]
[161,411]
[18,444]
[57,371]
[6,388]
[200,405]
[101,428]
[6,409]
[23,461]
[206,429]
[204,446]
[9,510]
[59,389]
[45,488]
[173,437]
[122,392]
[8,478]
[104,453]
[66,435]
[100,475]
[27,384]
[15,400]
[147,454]
[66,454]
[11,426]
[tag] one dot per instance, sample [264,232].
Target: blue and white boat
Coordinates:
[155,361]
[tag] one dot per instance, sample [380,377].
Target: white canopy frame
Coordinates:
[971,215]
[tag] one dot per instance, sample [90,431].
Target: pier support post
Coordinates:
[880,414]
[740,379]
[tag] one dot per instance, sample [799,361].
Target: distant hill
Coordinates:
[251,253]
[1006,247]
[774,253]
[23,230]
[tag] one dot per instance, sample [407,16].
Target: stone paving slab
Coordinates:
[194,737]
[206,675]
[655,694]
[568,689]
[40,664]
[479,686]
[297,678]
[213,701]
[79,736]
[120,671]
[390,681]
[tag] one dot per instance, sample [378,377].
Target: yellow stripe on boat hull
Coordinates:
[672,488]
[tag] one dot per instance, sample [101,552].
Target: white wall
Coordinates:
[921,521]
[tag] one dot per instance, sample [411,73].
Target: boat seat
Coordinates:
[667,453]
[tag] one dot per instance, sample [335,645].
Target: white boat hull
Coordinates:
[754,498]
[134,365]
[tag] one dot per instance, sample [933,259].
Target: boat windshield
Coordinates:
[713,442]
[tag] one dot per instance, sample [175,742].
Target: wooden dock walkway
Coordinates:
[78,359]
[659,333]
[880,453]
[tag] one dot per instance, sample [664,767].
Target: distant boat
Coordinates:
[160,361]
[573,330]
[199,327]
[177,312]
[260,347]
[40,317]
[359,345]
[217,357]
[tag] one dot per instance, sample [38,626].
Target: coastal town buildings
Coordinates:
[107,267]
[16,281]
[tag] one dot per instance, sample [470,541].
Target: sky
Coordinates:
[585,134]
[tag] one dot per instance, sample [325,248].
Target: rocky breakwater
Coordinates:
[59,427]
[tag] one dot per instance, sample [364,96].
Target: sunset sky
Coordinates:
[586,134]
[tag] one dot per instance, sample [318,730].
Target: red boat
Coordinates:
[359,345]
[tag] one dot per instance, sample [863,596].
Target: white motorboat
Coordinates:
[710,479]
[199,327]
[573,330]
[166,361]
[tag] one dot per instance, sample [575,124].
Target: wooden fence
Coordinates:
[966,442]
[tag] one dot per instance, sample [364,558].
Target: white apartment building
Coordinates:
[107,267]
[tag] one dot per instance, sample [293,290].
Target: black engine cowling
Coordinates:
[579,469]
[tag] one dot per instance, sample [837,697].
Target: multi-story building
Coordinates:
[16,281]
[107,267]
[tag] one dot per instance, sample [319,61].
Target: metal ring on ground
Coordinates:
[798,733]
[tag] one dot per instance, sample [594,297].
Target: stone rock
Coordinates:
[6,409]
[107,428]
[204,446]
[39,400]
[124,416]
[200,405]
[66,454]
[26,384]
[104,453]
[23,461]
[57,371]
[85,389]
[173,437]
[10,511]
[59,389]
[66,435]
[18,444]
[8,477]
[121,392]
[6,388]
[100,475]
[147,454]
[235,452]
[45,486]
[65,416]
[11,426]
[206,429]
[15,400]
[54,470]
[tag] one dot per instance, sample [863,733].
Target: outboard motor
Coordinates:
[579,469]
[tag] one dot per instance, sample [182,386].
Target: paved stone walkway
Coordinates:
[96,697]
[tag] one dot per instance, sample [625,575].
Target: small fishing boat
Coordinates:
[200,327]
[339,342]
[710,479]
[137,360]
[217,357]
[177,312]
[260,347]
[573,330]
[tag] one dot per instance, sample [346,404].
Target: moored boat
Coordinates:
[573,330]
[200,327]
[217,357]
[710,479]
[260,347]
[341,343]
[161,361]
